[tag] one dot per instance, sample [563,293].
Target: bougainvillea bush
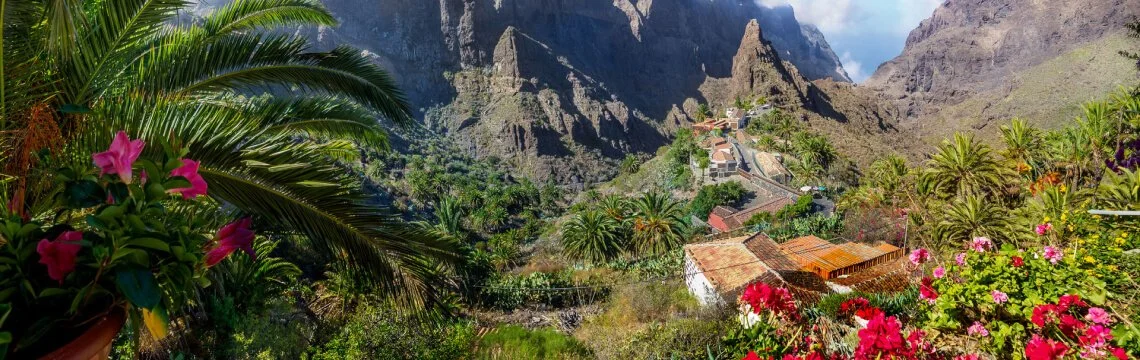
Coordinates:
[118,238]
[1042,302]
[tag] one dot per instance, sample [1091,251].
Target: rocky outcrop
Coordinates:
[981,47]
[565,88]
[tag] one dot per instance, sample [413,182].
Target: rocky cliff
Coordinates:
[976,63]
[562,89]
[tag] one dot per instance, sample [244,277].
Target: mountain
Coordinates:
[974,64]
[563,89]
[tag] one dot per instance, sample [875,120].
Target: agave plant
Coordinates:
[73,72]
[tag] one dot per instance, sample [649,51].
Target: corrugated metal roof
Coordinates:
[811,252]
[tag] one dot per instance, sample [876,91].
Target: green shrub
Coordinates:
[677,339]
[801,207]
[511,291]
[901,304]
[380,333]
[711,196]
[516,343]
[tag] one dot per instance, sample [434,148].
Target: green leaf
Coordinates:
[83,193]
[150,243]
[176,183]
[74,109]
[139,287]
[49,292]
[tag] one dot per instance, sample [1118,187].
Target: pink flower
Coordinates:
[1053,254]
[977,329]
[233,236]
[939,272]
[1119,353]
[981,244]
[966,357]
[960,259]
[1098,316]
[999,297]
[1040,348]
[59,255]
[189,170]
[119,157]
[1042,229]
[919,256]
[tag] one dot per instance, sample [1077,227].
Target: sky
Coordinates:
[864,33]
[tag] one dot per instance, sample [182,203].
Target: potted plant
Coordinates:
[119,245]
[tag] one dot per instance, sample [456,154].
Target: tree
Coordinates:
[703,112]
[657,225]
[593,236]
[450,216]
[73,76]
[969,216]
[888,173]
[783,124]
[711,196]
[814,149]
[964,166]
[630,164]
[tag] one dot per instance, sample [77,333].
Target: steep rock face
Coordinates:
[970,48]
[565,87]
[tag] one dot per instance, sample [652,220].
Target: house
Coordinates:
[726,219]
[735,118]
[770,165]
[717,271]
[830,261]
[723,160]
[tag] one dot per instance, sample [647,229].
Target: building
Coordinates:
[727,219]
[830,261]
[717,271]
[734,119]
[770,165]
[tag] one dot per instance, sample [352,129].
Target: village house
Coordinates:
[770,165]
[734,119]
[727,219]
[717,271]
[830,261]
[723,158]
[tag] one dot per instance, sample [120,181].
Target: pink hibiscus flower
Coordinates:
[189,170]
[119,158]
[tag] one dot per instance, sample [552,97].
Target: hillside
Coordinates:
[977,63]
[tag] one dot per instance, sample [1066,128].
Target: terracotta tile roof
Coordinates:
[714,141]
[730,266]
[737,219]
[764,247]
[769,164]
[723,211]
[723,156]
[889,276]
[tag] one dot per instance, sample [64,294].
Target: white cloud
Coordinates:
[828,16]
[854,67]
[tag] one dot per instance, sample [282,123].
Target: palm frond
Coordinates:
[265,14]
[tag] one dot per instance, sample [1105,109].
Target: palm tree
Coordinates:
[450,215]
[1021,143]
[888,173]
[964,166]
[657,223]
[784,125]
[814,149]
[72,76]
[615,206]
[593,236]
[1120,191]
[971,215]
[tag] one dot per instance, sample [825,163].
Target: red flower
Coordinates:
[751,356]
[763,297]
[233,236]
[881,339]
[1044,349]
[1043,314]
[1119,353]
[1067,301]
[860,307]
[59,255]
[1070,325]
[1018,261]
[189,170]
[119,158]
[926,290]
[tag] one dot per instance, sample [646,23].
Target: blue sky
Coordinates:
[864,33]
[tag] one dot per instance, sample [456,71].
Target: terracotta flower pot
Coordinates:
[93,344]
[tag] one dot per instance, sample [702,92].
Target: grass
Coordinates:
[516,342]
